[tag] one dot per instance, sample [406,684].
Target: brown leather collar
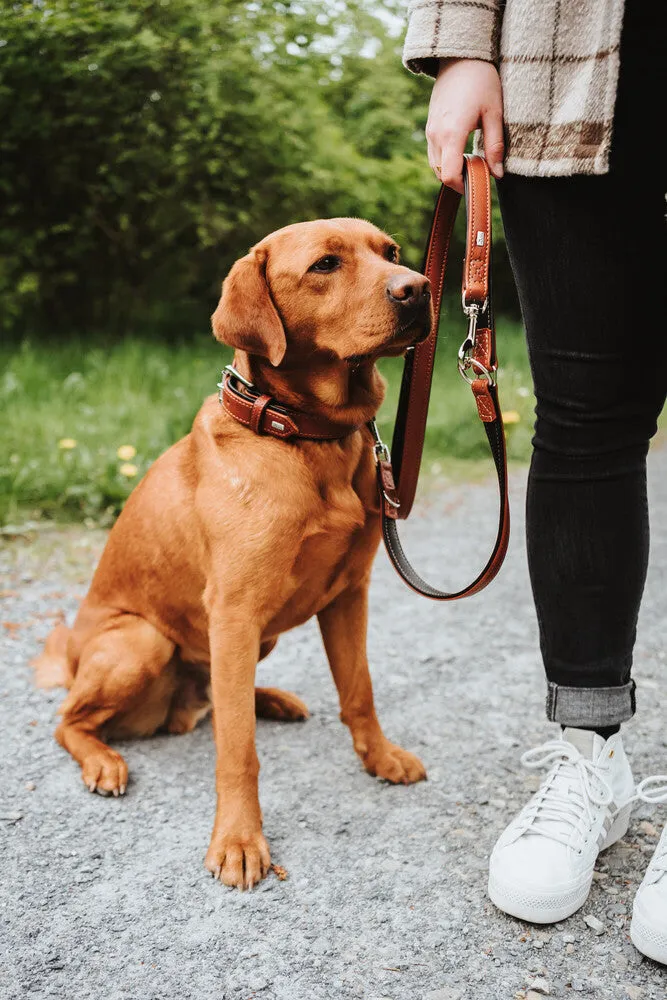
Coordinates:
[263,415]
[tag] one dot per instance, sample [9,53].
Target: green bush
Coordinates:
[145,146]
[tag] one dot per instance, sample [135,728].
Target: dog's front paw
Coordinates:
[104,771]
[240,860]
[394,764]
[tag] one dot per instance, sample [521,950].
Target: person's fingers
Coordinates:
[494,141]
[451,160]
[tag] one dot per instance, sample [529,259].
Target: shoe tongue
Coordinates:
[588,743]
[567,781]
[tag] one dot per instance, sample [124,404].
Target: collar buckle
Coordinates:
[231,371]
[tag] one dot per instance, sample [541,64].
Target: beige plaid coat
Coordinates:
[558,63]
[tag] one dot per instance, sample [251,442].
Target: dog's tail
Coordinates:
[52,666]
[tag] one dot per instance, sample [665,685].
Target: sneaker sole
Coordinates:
[648,941]
[540,908]
[534,907]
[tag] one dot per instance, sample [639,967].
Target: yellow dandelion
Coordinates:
[127,469]
[511,417]
[66,444]
[126,452]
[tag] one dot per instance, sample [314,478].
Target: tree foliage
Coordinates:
[146,145]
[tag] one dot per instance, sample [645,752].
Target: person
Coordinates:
[562,96]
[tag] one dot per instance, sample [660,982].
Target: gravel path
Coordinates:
[385,895]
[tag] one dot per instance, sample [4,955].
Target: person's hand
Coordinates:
[466,95]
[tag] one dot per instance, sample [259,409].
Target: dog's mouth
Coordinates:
[396,345]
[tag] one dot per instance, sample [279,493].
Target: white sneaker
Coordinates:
[648,929]
[541,868]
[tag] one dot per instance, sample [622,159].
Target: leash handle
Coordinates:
[477,362]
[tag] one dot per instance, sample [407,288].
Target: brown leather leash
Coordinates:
[477,363]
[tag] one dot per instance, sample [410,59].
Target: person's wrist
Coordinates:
[446,62]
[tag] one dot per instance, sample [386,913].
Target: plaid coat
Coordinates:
[558,63]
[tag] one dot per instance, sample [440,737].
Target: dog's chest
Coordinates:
[338,541]
[338,511]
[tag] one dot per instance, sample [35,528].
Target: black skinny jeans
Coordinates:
[588,255]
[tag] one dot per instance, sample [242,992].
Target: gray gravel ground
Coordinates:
[385,897]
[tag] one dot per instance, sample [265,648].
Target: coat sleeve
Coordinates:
[440,29]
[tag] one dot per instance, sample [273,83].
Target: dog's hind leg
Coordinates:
[53,667]
[117,670]
[191,702]
[271,703]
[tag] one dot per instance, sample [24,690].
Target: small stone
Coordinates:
[648,828]
[633,992]
[30,786]
[538,944]
[600,876]
[446,993]
[569,939]
[595,925]
[540,986]
[578,986]
[569,949]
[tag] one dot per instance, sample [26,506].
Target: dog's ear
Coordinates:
[246,317]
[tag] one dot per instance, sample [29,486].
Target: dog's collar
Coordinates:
[264,415]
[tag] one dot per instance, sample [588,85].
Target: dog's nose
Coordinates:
[409,290]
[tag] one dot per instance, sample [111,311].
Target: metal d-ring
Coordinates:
[469,362]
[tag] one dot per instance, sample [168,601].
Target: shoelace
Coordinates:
[645,793]
[553,805]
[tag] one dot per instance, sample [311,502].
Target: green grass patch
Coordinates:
[67,409]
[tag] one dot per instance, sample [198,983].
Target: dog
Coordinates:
[235,536]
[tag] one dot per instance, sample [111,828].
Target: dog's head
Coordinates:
[332,287]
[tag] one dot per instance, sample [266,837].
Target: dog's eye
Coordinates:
[326,264]
[391,253]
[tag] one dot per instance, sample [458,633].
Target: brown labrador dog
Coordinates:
[233,537]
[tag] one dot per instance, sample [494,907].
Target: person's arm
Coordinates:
[457,42]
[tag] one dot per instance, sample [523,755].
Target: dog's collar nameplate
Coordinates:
[262,414]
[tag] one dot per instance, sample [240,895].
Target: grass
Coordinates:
[66,409]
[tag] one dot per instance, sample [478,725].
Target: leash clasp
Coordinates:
[466,361]
[468,345]
[383,457]
[380,449]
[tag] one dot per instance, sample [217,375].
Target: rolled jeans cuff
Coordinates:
[590,708]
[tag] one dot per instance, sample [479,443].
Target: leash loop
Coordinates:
[398,474]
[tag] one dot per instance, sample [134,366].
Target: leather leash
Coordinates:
[477,364]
